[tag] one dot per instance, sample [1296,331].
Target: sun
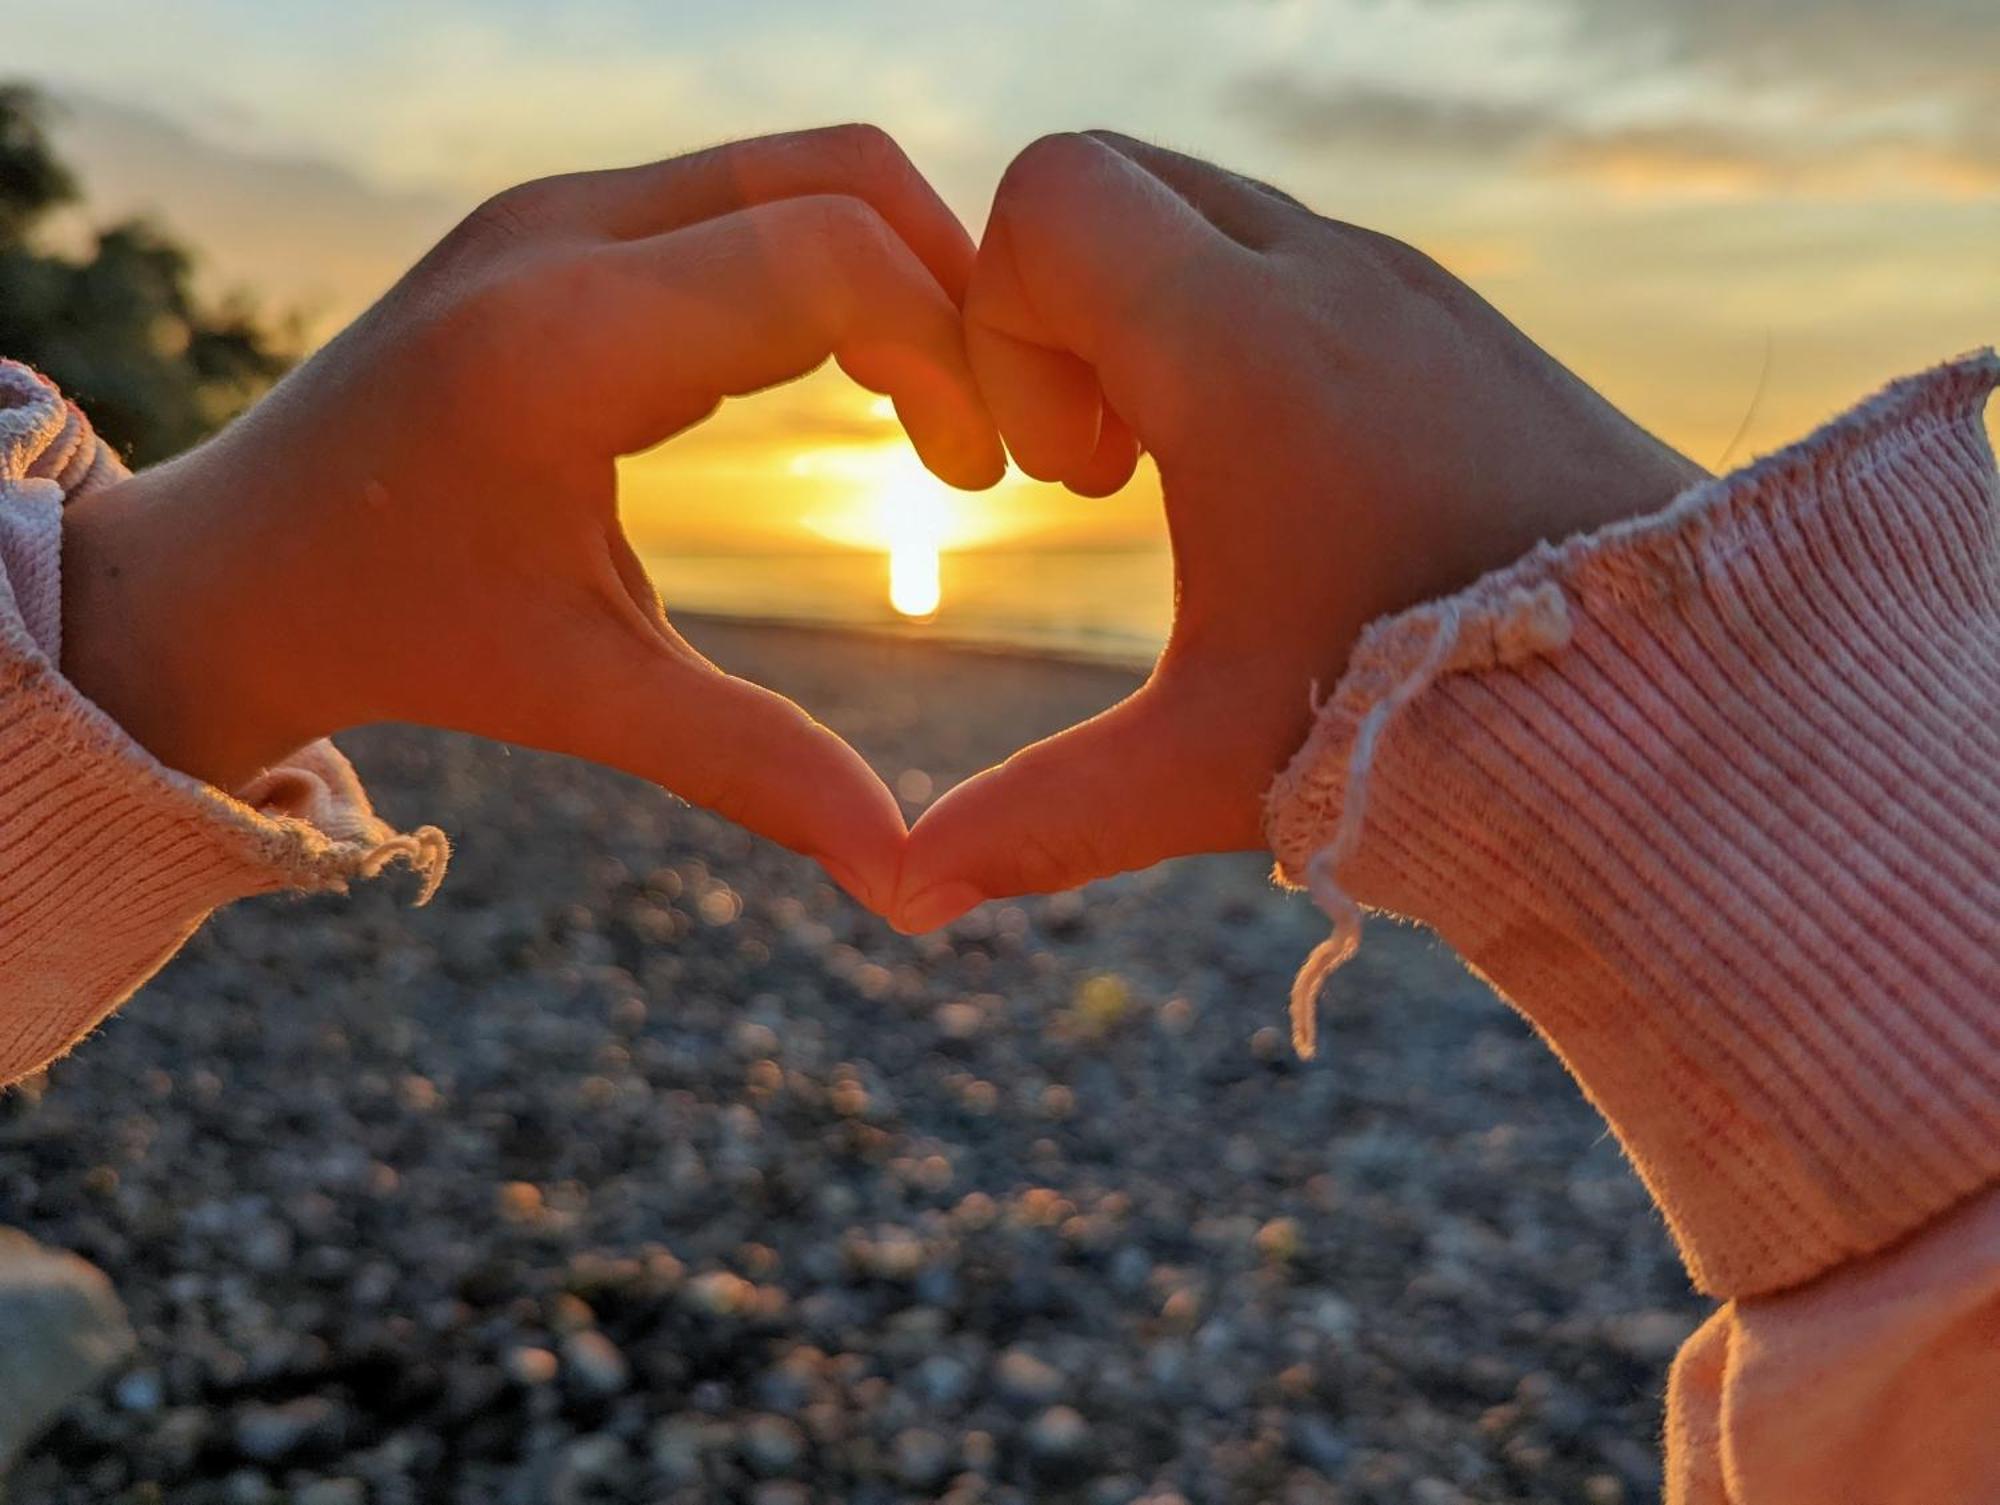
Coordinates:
[915,589]
[911,522]
[880,497]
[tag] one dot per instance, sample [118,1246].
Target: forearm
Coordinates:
[109,858]
[1714,798]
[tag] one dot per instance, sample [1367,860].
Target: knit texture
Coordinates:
[109,859]
[1713,797]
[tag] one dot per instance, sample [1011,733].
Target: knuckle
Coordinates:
[509,216]
[864,151]
[1416,271]
[855,236]
[487,323]
[1050,161]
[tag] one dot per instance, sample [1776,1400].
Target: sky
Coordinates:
[1733,216]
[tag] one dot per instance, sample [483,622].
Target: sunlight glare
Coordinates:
[911,511]
[913,579]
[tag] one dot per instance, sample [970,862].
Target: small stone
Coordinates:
[1335,1316]
[271,1434]
[332,1492]
[786,1389]
[892,1254]
[140,1391]
[61,1328]
[594,1365]
[959,1021]
[530,1366]
[1101,1002]
[1435,1492]
[1023,1377]
[979,1451]
[921,1457]
[1652,1337]
[246,1486]
[1278,1240]
[720,1293]
[773,1446]
[943,1381]
[676,1448]
[1316,1444]
[589,1461]
[519,1201]
[1059,1436]
[1130,1269]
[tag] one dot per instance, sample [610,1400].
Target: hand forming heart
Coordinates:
[1342,429]
[420,524]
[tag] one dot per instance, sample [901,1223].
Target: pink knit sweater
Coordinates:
[1712,796]
[109,860]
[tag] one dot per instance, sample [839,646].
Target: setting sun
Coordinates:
[883,499]
[913,578]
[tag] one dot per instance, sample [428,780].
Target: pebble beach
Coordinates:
[642,1166]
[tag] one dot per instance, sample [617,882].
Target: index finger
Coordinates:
[859,161]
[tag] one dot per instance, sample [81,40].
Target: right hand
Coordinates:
[1342,429]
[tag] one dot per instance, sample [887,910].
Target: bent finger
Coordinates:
[1111,464]
[860,161]
[762,296]
[1252,213]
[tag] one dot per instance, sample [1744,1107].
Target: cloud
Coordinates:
[1808,154]
[1854,47]
[1701,157]
[1373,118]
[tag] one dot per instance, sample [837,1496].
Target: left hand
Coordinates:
[1342,428]
[421,523]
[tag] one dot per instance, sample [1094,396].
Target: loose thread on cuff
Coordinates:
[1323,868]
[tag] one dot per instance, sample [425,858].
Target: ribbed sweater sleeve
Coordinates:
[1713,798]
[108,859]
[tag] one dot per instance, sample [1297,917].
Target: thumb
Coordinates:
[1140,783]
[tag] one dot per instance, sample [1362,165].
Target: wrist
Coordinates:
[166,613]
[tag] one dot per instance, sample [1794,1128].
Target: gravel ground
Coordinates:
[643,1167]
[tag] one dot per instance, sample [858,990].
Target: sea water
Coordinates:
[1106,606]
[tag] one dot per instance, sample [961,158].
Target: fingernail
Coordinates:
[937,905]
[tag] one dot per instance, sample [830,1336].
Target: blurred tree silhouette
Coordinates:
[121,330]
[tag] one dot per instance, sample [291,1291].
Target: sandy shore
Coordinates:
[643,1167]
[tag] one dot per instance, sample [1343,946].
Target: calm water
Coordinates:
[1107,606]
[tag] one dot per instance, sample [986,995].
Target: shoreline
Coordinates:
[919,634]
